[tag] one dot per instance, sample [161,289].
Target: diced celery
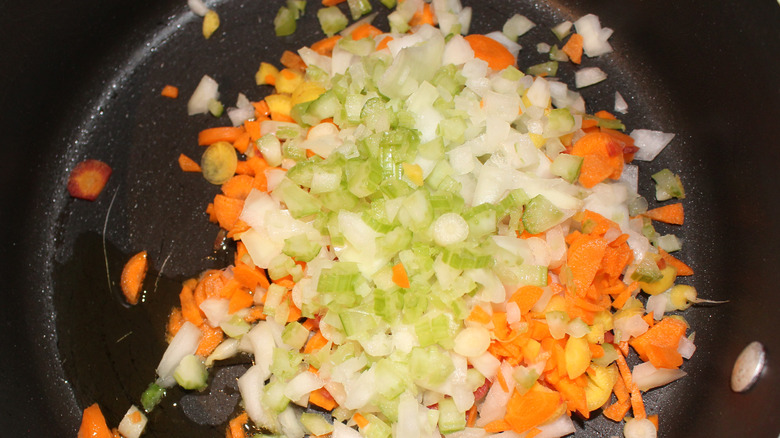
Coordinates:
[389,4]
[295,335]
[298,201]
[191,373]
[608,123]
[363,177]
[280,266]
[463,258]
[300,248]
[357,322]
[647,271]
[559,122]
[450,418]
[481,220]
[332,20]
[557,54]
[377,428]
[285,363]
[391,378]
[152,396]
[316,424]
[358,8]
[285,21]
[669,243]
[430,366]
[567,166]
[540,215]
[235,327]
[215,107]
[549,68]
[668,185]
[533,275]
[273,394]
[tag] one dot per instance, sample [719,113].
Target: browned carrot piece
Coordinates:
[170,91]
[88,178]
[93,424]
[332,2]
[325,46]
[670,214]
[187,164]
[487,49]
[133,276]
[209,339]
[210,136]
[293,61]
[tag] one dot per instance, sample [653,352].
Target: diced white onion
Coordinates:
[206,90]
[559,427]
[543,48]
[472,341]
[183,344]
[198,7]
[620,104]
[216,310]
[486,364]
[646,376]
[510,45]
[594,37]
[128,427]
[686,347]
[302,384]
[250,385]
[225,350]
[242,112]
[588,76]
[516,26]
[650,143]
[629,327]
[657,305]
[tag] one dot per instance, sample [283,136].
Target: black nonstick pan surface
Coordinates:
[81,79]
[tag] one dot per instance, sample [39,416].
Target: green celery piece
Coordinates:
[285,21]
[152,396]
[332,20]
[540,214]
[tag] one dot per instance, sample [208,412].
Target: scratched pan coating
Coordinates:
[83,80]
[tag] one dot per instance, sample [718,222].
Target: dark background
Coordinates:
[81,79]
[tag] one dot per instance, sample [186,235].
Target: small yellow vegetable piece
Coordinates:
[306,92]
[266,74]
[279,103]
[664,283]
[210,23]
[537,139]
[557,303]
[578,356]
[601,380]
[682,296]
[288,80]
[414,173]
[219,162]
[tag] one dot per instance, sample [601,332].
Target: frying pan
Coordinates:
[81,79]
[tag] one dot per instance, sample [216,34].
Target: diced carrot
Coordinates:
[502,381]
[293,61]
[238,187]
[261,109]
[170,91]
[133,276]
[88,179]
[241,299]
[653,419]
[605,115]
[325,46]
[236,426]
[242,142]
[285,282]
[497,426]
[323,399]
[332,2]
[248,276]
[526,297]
[533,432]
[383,44]
[659,343]
[93,424]
[618,410]
[279,117]
[682,268]
[602,158]
[573,394]
[589,123]
[210,136]
[175,321]
[365,30]
[637,404]
[479,315]
[252,128]
[423,16]
[187,164]
[210,337]
[227,210]
[189,308]
[399,276]
[584,260]
[670,214]
[243,168]
[496,55]
[315,343]
[255,314]
[573,48]
[525,411]
[360,420]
